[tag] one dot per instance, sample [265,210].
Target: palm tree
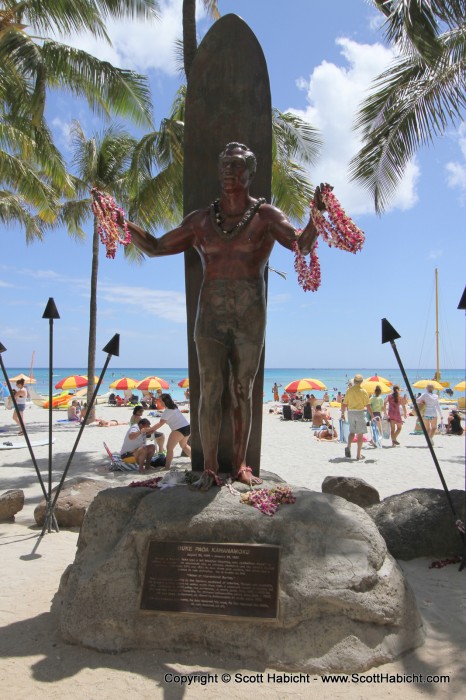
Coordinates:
[31,63]
[103,162]
[418,97]
[32,173]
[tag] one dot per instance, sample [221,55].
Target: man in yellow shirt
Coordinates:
[357,402]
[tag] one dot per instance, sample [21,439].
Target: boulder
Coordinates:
[343,602]
[420,523]
[73,501]
[10,503]
[352,489]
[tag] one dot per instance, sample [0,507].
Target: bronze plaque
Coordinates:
[239,580]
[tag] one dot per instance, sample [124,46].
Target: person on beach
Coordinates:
[21,397]
[432,410]
[275,393]
[234,237]
[326,433]
[74,411]
[454,424]
[319,417]
[134,420]
[179,426]
[134,445]
[395,405]
[357,402]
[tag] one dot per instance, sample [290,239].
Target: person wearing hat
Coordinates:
[357,402]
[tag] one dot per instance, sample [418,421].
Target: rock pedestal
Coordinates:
[74,499]
[343,603]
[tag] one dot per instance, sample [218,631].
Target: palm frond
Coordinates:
[14,210]
[123,92]
[412,103]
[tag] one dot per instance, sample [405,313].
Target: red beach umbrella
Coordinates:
[300,385]
[184,384]
[124,383]
[152,384]
[74,381]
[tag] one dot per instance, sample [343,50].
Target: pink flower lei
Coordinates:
[111,220]
[268,500]
[338,231]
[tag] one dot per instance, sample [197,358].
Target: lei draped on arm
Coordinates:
[338,231]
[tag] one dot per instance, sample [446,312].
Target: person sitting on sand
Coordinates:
[454,424]
[74,411]
[319,417]
[134,445]
[136,416]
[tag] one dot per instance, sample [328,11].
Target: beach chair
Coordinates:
[287,414]
[307,412]
[376,433]
[119,465]
[344,430]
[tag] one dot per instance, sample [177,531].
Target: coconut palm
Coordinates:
[32,62]
[418,97]
[100,161]
[32,173]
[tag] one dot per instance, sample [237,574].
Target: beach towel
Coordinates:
[117,464]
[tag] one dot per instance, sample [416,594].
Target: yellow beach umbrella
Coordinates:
[315,381]
[370,387]
[460,387]
[124,383]
[378,378]
[422,384]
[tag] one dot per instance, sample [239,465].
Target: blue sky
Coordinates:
[321,59]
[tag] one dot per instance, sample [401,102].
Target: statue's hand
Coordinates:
[318,201]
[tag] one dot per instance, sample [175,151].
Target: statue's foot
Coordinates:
[207,479]
[245,476]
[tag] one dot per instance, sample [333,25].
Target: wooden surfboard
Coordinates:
[228,99]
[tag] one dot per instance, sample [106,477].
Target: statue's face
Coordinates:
[233,170]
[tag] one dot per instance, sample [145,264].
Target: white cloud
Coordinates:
[164,304]
[334,94]
[456,171]
[435,254]
[138,44]
[5,284]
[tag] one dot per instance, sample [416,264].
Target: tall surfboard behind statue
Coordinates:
[228,99]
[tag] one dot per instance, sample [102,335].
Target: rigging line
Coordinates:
[428,316]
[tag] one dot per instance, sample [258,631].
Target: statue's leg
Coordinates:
[213,373]
[245,360]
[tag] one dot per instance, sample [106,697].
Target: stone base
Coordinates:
[343,603]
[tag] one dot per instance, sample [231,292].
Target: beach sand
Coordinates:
[34,662]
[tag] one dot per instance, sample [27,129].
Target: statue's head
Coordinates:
[244,151]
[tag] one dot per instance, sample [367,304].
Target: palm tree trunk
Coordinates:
[189,34]
[93,318]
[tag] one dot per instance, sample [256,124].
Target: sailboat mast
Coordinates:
[437,372]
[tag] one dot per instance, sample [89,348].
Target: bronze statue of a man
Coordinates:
[234,238]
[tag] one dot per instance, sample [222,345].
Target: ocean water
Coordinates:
[334,379]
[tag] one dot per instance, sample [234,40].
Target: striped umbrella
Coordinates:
[74,381]
[152,384]
[380,380]
[300,385]
[184,384]
[124,383]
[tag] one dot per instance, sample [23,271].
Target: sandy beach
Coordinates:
[34,662]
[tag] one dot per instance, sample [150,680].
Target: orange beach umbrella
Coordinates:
[27,380]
